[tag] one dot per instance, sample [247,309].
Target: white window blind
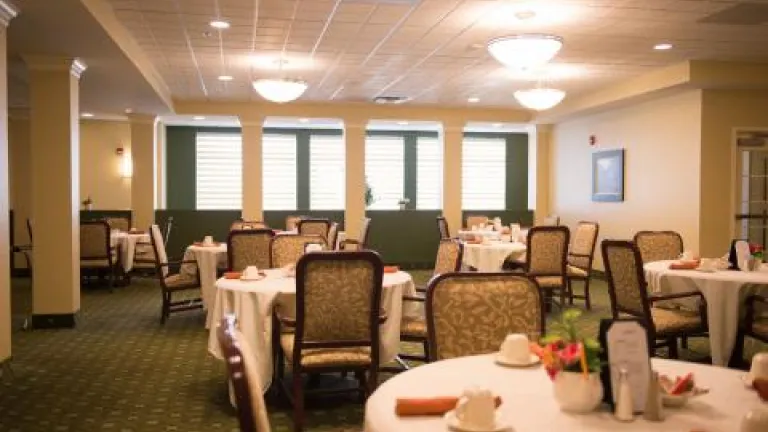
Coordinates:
[484,177]
[218,160]
[279,171]
[429,174]
[327,182]
[384,170]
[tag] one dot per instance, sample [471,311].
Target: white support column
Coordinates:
[253,196]
[453,142]
[55,149]
[539,141]
[143,181]
[7,13]
[354,210]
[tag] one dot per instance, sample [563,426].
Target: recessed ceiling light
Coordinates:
[403,123]
[219,24]
[497,125]
[225,78]
[525,14]
[662,46]
[198,118]
[303,120]
[473,100]
[86,115]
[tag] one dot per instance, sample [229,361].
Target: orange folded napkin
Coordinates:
[434,406]
[232,275]
[684,265]
[391,269]
[761,385]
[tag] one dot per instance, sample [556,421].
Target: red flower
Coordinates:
[570,354]
[755,248]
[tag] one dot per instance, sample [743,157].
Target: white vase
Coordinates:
[576,393]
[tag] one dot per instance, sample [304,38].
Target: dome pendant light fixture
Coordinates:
[525,51]
[280,90]
[539,99]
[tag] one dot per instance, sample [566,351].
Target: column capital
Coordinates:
[35,62]
[8,11]
[251,119]
[453,126]
[137,118]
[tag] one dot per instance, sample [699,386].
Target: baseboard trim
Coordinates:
[53,321]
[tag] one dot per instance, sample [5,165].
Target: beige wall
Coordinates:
[19,176]
[661,138]
[99,164]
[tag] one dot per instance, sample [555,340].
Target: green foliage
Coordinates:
[564,332]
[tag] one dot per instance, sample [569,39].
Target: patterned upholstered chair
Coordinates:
[242,224]
[414,329]
[286,249]
[629,296]
[755,325]
[292,223]
[442,227]
[172,283]
[546,261]
[333,236]
[551,220]
[476,220]
[659,245]
[362,242]
[580,258]
[472,313]
[314,226]
[119,223]
[249,248]
[97,256]
[338,304]
[242,370]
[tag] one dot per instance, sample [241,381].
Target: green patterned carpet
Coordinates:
[120,370]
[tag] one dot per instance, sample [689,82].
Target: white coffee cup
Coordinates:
[516,348]
[251,272]
[759,368]
[313,247]
[755,420]
[208,240]
[476,409]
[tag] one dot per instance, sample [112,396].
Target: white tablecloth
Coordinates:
[209,258]
[466,234]
[127,244]
[724,291]
[490,257]
[529,404]
[252,304]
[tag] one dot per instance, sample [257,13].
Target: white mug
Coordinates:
[516,348]
[251,272]
[759,368]
[208,240]
[476,409]
[755,420]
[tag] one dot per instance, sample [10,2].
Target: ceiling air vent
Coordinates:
[749,13]
[390,99]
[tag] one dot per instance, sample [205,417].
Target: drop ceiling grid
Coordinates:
[422,50]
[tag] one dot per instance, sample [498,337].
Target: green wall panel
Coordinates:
[180,167]
[517,172]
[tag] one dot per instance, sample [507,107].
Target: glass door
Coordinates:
[752,187]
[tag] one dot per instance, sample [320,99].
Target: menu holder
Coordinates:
[733,256]
[625,343]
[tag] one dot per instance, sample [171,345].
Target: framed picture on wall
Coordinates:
[608,176]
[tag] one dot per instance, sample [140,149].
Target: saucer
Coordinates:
[533,360]
[706,270]
[454,424]
[259,276]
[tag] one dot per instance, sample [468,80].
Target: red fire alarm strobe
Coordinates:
[119,151]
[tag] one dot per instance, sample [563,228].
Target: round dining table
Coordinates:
[252,302]
[126,244]
[209,259]
[528,403]
[724,290]
[489,256]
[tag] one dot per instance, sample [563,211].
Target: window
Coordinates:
[483,163]
[384,170]
[219,182]
[327,181]
[279,171]
[429,173]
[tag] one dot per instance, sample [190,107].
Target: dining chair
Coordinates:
[333,236]
[97,256]
[336,329]
[362,242]
[472,313]
[242,224]
[551,220]
[314,226]
[580,257]
[659,245]
[25,249]
[414,329]
[292,223]
[546,261]
[628,291]
[176,281]
[286,249]
[119,223]
[249,248]
[242,370]
[754,325]
[167,230]
[442,227]
[476,220]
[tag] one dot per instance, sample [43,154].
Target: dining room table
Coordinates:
[489,255]
[252,303]
[724,292]
[125,242]
[209,259]
[528,403]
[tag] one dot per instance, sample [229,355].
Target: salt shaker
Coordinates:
[653,399]
[624,403]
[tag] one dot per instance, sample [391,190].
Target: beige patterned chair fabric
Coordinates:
[292,223]
[317,227]
[626,285]
[583,245]
[413,327]
[362,242]
[547,251]
[322,357]
[448,257]
[333,236]
[288,248]
[472,313]
[249,248]
[158,247]
[476,220]
[119,223]
[659,245]
[95,248]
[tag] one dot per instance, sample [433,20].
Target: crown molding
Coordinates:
[8,11]
[74,66]
[142,118]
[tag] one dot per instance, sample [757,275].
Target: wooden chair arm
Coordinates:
[418,299]
[656,298]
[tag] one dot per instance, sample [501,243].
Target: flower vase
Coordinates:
[577,393]
[89,207]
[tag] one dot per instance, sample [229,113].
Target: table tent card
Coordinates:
[625,347]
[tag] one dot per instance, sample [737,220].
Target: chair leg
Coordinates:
[373,380]
[672,344]
[363,383]
[165,310]
[587,300]
[298,401]
[737,356]
[684,342]
[569,285]
[425,344]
